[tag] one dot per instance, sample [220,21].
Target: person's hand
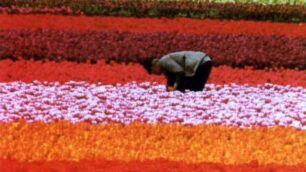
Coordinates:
[169,88]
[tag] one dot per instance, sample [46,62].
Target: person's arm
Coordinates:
[168,63]
[171,78]
[178,77]
[174,70]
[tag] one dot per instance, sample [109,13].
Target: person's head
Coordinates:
[152,66]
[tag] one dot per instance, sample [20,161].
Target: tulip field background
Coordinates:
[74,97]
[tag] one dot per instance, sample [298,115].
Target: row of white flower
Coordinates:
[237,105]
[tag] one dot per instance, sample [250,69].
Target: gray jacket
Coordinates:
[183,63]
[186,62]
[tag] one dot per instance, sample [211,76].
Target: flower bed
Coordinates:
[234,105]
[158,9]
[144,166]
[181,25]
[53,3]
[113,73]
[77,122]
[65,141]
[233,49]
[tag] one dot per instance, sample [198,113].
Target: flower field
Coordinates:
[233,105]
[293,11]
[73,96]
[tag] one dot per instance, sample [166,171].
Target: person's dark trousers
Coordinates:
[198,81]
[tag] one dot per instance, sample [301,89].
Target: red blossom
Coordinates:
[29,71]
[132,24]
[226,49]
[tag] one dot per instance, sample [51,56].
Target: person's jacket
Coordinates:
[186,62]
[183,63]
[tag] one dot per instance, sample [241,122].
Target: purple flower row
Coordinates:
[230,49]
[45,10]
[198,9]
[236,105]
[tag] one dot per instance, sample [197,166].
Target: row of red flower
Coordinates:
[119,73]
[145,166]
[182,25]
[232,49]
[199,9]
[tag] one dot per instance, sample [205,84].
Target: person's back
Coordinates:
[184,61]
[183,69]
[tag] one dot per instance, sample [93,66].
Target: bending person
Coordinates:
[183,70]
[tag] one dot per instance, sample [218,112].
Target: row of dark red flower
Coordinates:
[236,50]
[159,8]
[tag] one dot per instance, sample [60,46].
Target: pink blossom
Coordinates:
[264,105]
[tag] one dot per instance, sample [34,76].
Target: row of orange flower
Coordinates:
[159,165]
[138,141]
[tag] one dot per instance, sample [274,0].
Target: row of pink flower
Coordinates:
[237,105]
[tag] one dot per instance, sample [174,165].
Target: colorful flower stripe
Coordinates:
[235,50]
[182,25]
[158,9]
[143,166]
[29,71]
[235,105]
[62,2]
[27,10]
[137,141]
